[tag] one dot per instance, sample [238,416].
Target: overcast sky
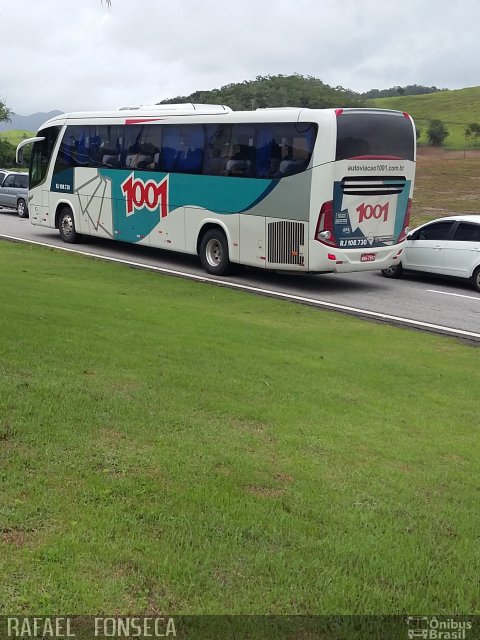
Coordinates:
[79,55]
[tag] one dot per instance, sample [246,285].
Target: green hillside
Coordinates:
[16,135]
[457,109]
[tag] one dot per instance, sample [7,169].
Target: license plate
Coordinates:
[367,257]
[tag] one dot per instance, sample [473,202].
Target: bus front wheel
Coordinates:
[66,226]
[214,252]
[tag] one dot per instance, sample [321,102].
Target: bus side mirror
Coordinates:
[23,143]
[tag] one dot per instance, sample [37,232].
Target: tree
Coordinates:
[7,154]
[5,113]
[472,131]
[436,133]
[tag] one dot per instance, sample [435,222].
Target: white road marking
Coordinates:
[427,326]
[458,295]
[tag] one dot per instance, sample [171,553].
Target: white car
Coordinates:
[447,247]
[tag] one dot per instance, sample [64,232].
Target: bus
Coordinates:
[292,189]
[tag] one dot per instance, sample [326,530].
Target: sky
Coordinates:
[81,55]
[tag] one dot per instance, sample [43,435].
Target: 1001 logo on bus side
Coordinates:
[139,194]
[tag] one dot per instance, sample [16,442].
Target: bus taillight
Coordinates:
[324,230]
[406,221]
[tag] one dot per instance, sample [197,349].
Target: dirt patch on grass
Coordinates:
[266,492]
[6,431]
[15,537]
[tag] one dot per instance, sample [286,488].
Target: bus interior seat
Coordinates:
[111,160]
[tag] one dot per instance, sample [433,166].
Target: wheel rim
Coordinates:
[391,270]
[214,252]
[21,208]
[67,225]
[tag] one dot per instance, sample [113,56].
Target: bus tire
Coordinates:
[395,271]
[214,252]
[476,279]
[22,209]
[66,226]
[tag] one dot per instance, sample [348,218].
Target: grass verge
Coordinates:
[168,446]
[446,183]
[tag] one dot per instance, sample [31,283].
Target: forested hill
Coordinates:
[290,91]
[275,91]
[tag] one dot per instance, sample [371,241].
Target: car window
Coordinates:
[467,232]
[2,176]
[435,231]
[9,180]
[22,181]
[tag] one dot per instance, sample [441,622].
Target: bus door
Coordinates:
[40,163]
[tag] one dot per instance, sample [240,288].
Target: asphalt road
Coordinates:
[419,302]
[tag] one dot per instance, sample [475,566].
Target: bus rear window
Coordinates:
[374,134]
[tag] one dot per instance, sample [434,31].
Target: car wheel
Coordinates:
[66,226]
[22,209]
[395,271]
[476,279]
[214,252]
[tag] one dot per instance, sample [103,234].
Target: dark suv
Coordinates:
[14,192]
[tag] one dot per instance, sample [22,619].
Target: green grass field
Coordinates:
[168,446]
[456,108]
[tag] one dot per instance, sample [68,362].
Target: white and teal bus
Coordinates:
[305,190]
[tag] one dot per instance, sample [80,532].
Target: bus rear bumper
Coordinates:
[338,261]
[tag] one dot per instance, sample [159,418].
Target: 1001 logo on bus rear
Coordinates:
[372,211]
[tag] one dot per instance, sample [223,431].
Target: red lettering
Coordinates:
[139,194]
[368,211]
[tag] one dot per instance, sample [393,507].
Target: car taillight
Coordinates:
[324,230]
[406,221]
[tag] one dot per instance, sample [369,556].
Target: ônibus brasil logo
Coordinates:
[368,211]
[139,194]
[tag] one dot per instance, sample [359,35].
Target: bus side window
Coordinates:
[284,149]
[241,152]
[218,137]
[182,149]
[268,152]
[72,149]
[152,145]
[238,163]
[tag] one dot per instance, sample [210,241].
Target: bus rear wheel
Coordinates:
[66,226]
[395,271]
[214,252]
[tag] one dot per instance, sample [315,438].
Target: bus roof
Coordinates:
[162,112]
